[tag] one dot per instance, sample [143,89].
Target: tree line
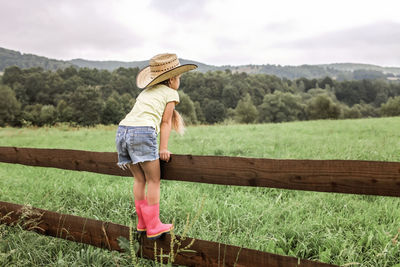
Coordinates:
[90,96]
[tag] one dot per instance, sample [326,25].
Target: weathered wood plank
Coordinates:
[339,176]
[77,160]
[104,235]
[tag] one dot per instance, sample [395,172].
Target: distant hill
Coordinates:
[106,65]
[353,67]
[14,58]
[112,65]
[340,71]
[291,72]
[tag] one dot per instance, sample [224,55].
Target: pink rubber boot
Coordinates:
[151,216]
[141,226]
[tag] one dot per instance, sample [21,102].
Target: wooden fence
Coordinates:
[355,177]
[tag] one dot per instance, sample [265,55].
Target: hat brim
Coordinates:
[143,79]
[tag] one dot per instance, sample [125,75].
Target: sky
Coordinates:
[215,32]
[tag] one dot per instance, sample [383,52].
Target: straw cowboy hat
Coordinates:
[161,68]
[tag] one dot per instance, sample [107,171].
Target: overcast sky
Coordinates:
[218,32]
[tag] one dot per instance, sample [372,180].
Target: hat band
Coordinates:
[154,64]
[164,70]
[154,72]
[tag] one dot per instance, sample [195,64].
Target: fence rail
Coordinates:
[339,176]
[104,235]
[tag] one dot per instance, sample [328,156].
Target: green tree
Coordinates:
[10,108]
[20,93]
[361,110]
[87,105]
[301,87]
[391,108]
[214,111]
[65,112]
[326,81]
[51,87]
[89,76]
[34,83]
[67,72]
[31,114]
[72,83]
[12,75]
[48,115]
[127,102]
[230,96]
[246,111]
[367,110]
[113,111]
[348,92]
[280,107]
[379,92]
[322,107]
[124,81]
[351,113]
[199,112]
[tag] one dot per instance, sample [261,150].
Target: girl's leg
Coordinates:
[152,173]
[139,183]
[151,211]
[139,186]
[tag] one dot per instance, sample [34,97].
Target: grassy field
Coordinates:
[334,228]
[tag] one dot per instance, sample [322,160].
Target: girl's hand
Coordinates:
[165,155]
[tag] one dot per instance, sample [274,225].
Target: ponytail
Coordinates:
[177,123]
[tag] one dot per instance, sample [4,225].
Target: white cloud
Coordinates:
[374,43]
[214,32]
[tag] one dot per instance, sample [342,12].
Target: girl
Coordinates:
[154,112]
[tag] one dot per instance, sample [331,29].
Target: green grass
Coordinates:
[333,228]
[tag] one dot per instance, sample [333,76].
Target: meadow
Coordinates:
[342,229]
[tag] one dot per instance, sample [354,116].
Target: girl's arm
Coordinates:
[165,129]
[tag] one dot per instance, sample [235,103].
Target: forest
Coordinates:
[86,97]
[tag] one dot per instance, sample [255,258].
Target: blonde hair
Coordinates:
[177,123]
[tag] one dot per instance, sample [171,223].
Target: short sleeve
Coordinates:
[172,95]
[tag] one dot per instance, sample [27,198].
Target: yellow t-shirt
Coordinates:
[149,106]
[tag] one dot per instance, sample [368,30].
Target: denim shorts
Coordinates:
[136,144]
